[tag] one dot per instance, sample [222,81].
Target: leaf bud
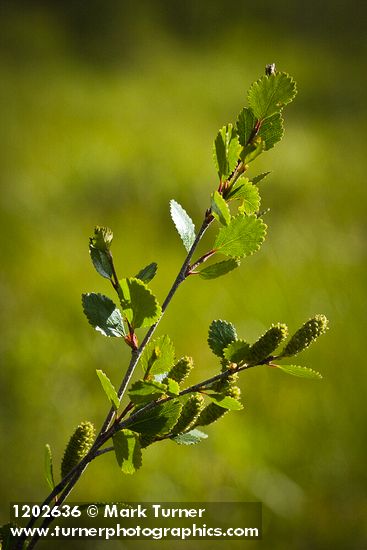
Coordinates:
[79,444]
[102,238]
[312,329]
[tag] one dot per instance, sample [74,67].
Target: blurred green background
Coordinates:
[109,110]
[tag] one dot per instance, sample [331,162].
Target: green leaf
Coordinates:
[109,389]
[237,351]
[248,193]
[101,261]
[221,334]
[271,130]
[49,475]
[138,303]
[245,125]
[158,421]
[253,150]
[127,450]
[242,237]
[184,224]
[158,356]
[220,209]
[144,391]
[103,314]
[227,150]
[225,401]
[270,93]
[219,269]
[190,438]
[302,372]
[173,387]
[257,179]
[147,273]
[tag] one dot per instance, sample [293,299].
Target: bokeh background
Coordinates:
[109,110]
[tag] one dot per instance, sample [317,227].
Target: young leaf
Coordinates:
[158,356]
[173,387]
[102,238]
[127,450]
[49,475]
[138,303]
[237,351]
[248,193]
[109,389]
[271,130]
[245,126]
[190,438]
[270,93]
[144,391]
[227,150]
[257,179]
[302,372]
[221,334]
[158,421]
[242,237]
[219,269]
[225,401]
[183,223]
[101,261]
[220,209]
[103,314]
[147,273]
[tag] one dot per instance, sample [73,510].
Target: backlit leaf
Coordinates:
[225,401]
[109,389]
[237,352]
[270,93]
[190,438]
[128,451]
[183,223]
[302,372]
[219,269]
[103,314]
[227,150]
[245,126]
[220,209]
[271,130]
[143,391]
[158,356]
[138,303]
[242,237]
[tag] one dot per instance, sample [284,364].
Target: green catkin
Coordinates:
[181,370]
[310,331]
[189,414]
[213,412]
[79,444]
[269,342]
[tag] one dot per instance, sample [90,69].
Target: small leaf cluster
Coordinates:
[224,343]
